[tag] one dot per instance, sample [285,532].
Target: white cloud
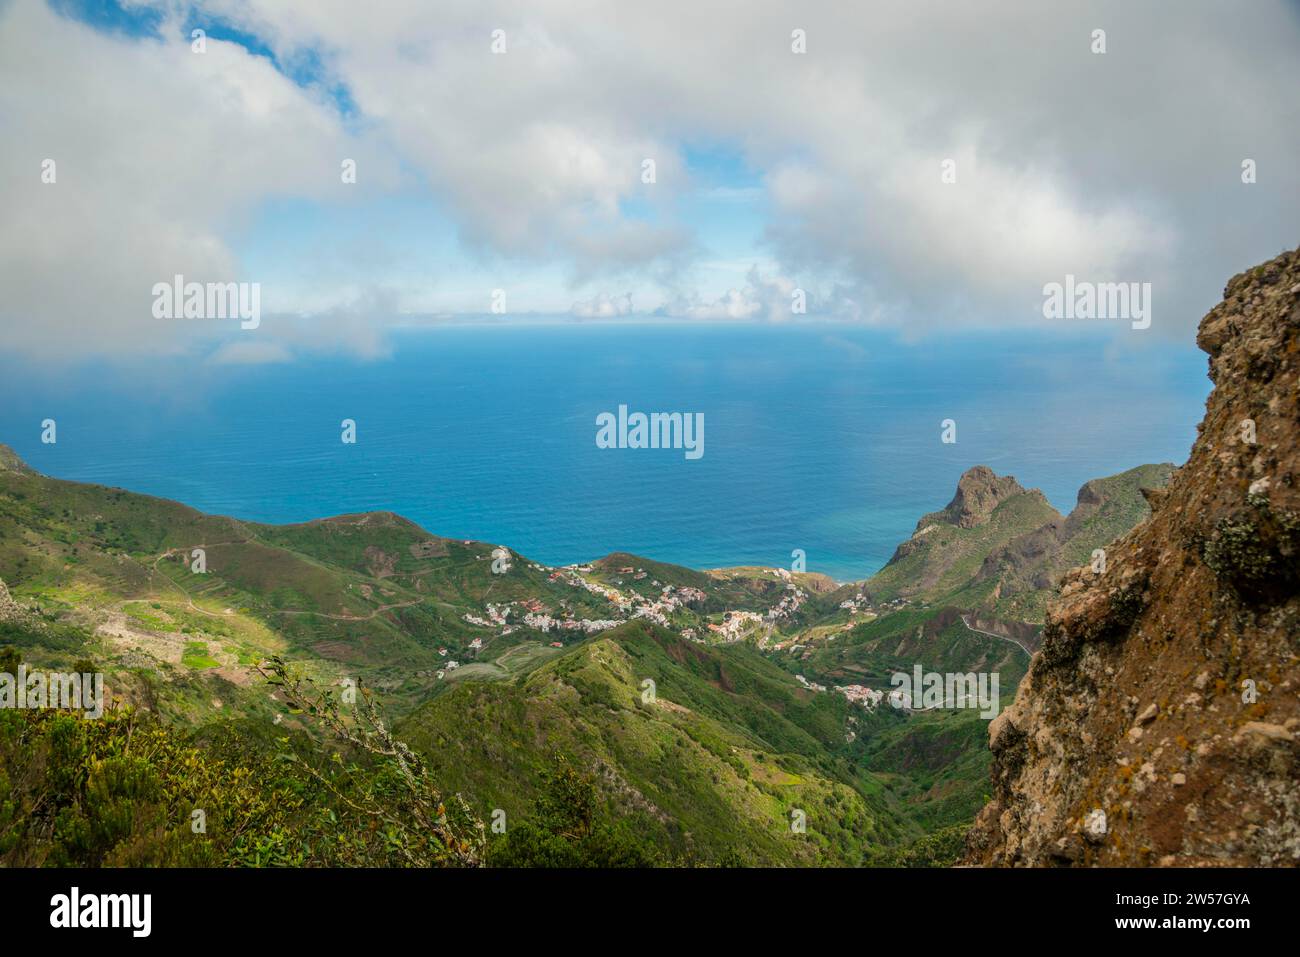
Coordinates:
[161,155]
[1122,166]
[772,300]
[603,306]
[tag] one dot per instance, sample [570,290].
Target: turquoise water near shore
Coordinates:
[824,438]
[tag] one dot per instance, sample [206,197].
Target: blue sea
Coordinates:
[824,438]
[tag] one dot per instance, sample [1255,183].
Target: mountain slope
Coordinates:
[716,764]
[364,595]
[499,671]
[949,546]
[1024,572]
[713,770]
[989,580]
[1160,724]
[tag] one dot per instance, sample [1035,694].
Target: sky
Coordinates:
[797,148]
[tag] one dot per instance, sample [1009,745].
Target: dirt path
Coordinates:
[171,552]
[323,614]
[154,574]
[189,599]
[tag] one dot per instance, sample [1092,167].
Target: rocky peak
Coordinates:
[1090,493]
[1160,722]
[979,491]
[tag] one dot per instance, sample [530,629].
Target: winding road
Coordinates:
[1015,641]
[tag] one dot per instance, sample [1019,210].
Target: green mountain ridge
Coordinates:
[495,672]
[716,761]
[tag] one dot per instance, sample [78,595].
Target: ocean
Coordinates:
[819,437]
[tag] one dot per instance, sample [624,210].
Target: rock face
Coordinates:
[979,491]
[1160,722]
[10,610]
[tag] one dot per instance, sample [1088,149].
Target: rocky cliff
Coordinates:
[979,491]
[1160,722]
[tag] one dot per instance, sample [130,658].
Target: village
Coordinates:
[733,626]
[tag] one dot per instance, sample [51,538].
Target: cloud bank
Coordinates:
[931,164]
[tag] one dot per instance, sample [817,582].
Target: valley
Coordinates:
[770,699]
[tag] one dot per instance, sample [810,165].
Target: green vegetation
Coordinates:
[568,828]
[630,747]
[944,848]
[196,656]
[129,790]
[709,769]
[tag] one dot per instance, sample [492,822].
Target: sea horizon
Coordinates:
[823,437]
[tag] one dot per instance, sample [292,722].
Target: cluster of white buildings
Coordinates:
[736,625]
[861,694]
[572,575]
[860,603]
[651,613]
[544,623]
[496,616]
[670,599]
[810,685]
[788,605]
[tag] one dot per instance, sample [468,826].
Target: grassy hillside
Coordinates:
[940,558]
[716,769]
[370,596]
[965,594]
[716,766]
[1016,580]
[524,685]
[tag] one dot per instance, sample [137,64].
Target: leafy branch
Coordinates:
[395,792]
